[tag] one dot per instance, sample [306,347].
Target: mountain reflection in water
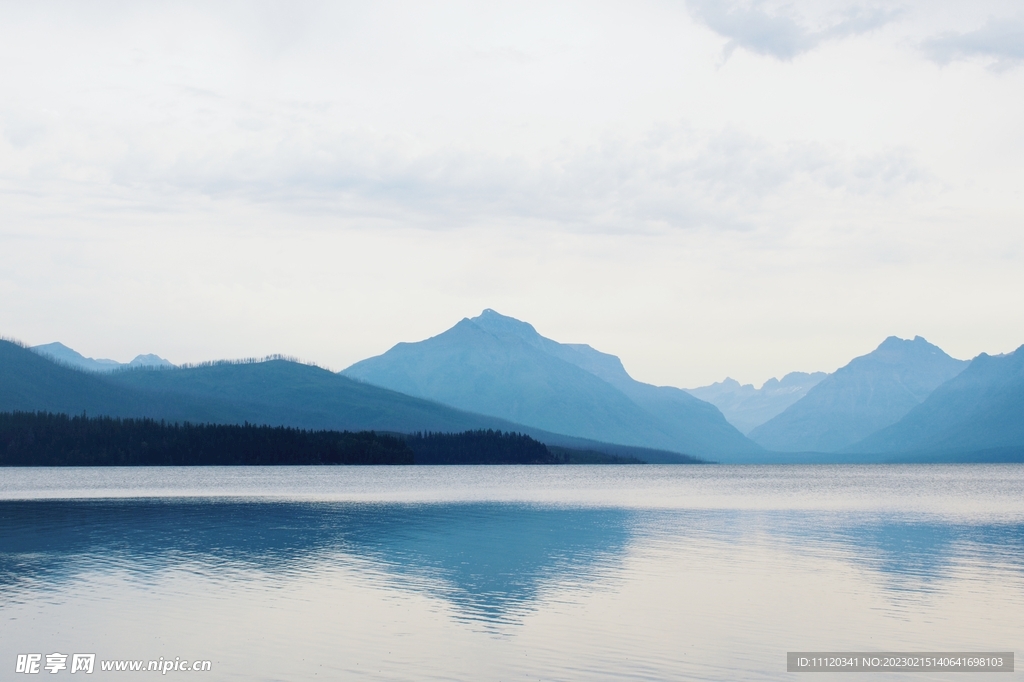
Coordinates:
[489,561]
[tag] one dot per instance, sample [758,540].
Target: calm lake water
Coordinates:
[509,573]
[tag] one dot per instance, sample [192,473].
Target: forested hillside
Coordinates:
[44,439]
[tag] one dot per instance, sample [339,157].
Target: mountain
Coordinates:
[72,358]
[982,408]
[275,392]
[871,392]
[747,407]
[282,392]
[500,366]
[150,360]
[31,382]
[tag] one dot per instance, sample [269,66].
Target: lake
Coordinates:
[637,572]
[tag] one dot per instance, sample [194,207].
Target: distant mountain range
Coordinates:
[499,366]
[870,393]
[981,409]
[747,407]
[71,358]
[275,392]
[905,401]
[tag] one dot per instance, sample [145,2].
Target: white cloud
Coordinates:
[781,31]
[1000,41]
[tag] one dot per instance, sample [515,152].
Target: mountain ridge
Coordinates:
[500,366]
[981,408]
[747,407]
[975,415]
[59,352]
[869,393]
[273,392]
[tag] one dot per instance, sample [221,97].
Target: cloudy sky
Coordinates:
[702,188]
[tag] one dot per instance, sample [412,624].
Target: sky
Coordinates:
[705,189]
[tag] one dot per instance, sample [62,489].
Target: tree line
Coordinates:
[480,447]
[47,439]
